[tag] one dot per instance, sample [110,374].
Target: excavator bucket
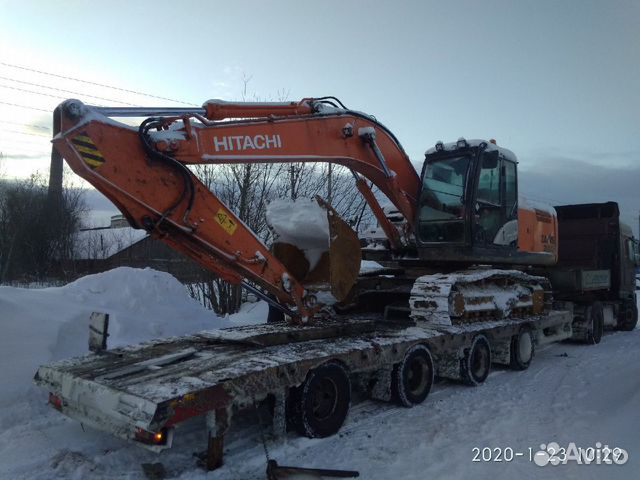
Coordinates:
[316,246]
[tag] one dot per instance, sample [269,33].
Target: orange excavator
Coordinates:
[463,210]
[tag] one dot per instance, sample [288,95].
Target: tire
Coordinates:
[628,316]
[319,406]
[522,349]
[596,323]
[413,376]
[476,363]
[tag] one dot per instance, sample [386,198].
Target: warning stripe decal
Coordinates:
[88,151]
[81,145]
[93,163]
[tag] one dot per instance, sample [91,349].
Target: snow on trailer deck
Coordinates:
[162,383]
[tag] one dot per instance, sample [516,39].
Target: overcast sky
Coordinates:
[554,81]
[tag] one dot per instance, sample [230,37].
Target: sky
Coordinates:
[554,81]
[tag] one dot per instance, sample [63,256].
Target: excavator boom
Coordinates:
[144,173]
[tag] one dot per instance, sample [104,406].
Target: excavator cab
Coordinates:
[468,204]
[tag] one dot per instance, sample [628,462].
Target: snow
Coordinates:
[362,131]
[43,325]
[105,242]
[173,134]
[88,114]
[533,205]
[302,223]
[325,109]
[490,147]
[571,393]
[368,266]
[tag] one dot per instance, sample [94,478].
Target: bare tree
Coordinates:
[248,188]
[35,239]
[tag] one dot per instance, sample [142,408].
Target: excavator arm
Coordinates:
[144,173]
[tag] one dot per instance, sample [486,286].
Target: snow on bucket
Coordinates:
[317,247]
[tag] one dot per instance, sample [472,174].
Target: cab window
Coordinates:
[489,183]
[510,190]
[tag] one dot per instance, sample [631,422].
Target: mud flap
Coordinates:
[98,331]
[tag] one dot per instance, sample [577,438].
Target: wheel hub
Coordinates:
[324,400]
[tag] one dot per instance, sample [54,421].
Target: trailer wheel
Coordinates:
[413,376]
[319,406]
[628,317]
[596,323]
[476,363]
[522,349]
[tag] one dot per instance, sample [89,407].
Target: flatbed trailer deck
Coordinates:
[142,392]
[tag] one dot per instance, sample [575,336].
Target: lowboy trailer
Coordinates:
[144,392]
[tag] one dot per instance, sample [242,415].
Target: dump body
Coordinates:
[596,254]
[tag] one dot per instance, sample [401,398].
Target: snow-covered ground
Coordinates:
[571,393]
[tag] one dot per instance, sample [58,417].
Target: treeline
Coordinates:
[36,231]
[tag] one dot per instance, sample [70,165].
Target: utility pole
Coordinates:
[55,170]
[329,186]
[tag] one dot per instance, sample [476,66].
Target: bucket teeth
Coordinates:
[477,295]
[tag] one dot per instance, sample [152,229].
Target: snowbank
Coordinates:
[42,325]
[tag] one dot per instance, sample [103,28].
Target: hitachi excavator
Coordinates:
[462,211]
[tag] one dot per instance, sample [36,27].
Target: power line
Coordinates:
[39,127]
[95,83]
[26,133]
[68,91]
[39,93]
[24,106]
[10,141]
[21,150]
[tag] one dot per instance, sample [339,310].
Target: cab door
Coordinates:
[496,209]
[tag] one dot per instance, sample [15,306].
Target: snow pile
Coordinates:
[302,223]
[40,326]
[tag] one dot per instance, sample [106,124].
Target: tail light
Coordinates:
[55,401]
[151,438]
